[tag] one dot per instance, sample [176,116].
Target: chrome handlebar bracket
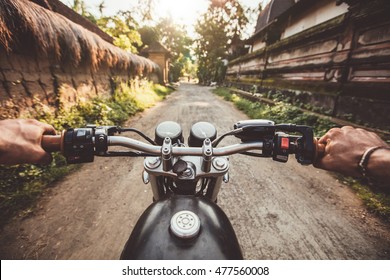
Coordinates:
[207,150]
[166,154]
[219,166]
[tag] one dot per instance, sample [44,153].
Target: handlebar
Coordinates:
[54,143]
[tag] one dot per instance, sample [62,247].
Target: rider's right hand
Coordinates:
[344,149]
[20,141]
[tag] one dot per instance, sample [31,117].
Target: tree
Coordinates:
[175,39]
[145,9]
[149,34]
[80,8]
[101,7]
[124,29]
[173,36]
[223,21]
[129,35]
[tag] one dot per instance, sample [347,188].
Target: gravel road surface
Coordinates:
[279,211]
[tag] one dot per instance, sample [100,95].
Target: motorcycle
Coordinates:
[184,220]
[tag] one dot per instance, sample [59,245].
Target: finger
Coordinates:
[321,163]
[48,129]
[331,133]
[45,159]
[324,139]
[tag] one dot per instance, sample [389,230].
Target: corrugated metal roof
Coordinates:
[274,9]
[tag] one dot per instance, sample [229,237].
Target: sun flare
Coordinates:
[184,12]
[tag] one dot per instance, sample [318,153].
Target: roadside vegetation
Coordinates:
[374,195]
[21,185]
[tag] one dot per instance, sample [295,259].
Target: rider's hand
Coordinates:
[344,148]
[20,141]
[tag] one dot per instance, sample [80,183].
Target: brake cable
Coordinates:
[219,139]
[129,129]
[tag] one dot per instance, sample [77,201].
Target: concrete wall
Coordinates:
[321,11]
[258,45]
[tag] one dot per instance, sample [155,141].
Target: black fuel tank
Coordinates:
[153,239]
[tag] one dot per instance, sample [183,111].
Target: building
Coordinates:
[329,55]
[157,53]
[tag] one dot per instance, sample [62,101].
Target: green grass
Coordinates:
[281,112]
[374,196]
[21,185]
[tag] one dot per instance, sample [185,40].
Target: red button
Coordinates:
[285,143]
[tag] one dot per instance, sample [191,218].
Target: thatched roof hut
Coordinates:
[28,28]
[58,7]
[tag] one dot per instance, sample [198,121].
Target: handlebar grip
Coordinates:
[52,143]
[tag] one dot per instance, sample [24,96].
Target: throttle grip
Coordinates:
[53,143]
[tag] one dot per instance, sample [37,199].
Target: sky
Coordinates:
[183,12]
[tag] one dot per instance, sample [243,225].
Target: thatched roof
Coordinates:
[60,8]
[28,28]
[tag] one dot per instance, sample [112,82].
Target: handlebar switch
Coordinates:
[304,150]
[268,147]
[78,145]
[281,147]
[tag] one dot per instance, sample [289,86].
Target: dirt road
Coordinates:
[279,211]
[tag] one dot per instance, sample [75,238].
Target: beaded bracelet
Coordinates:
[365,157]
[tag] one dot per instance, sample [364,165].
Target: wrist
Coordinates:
[378,163]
